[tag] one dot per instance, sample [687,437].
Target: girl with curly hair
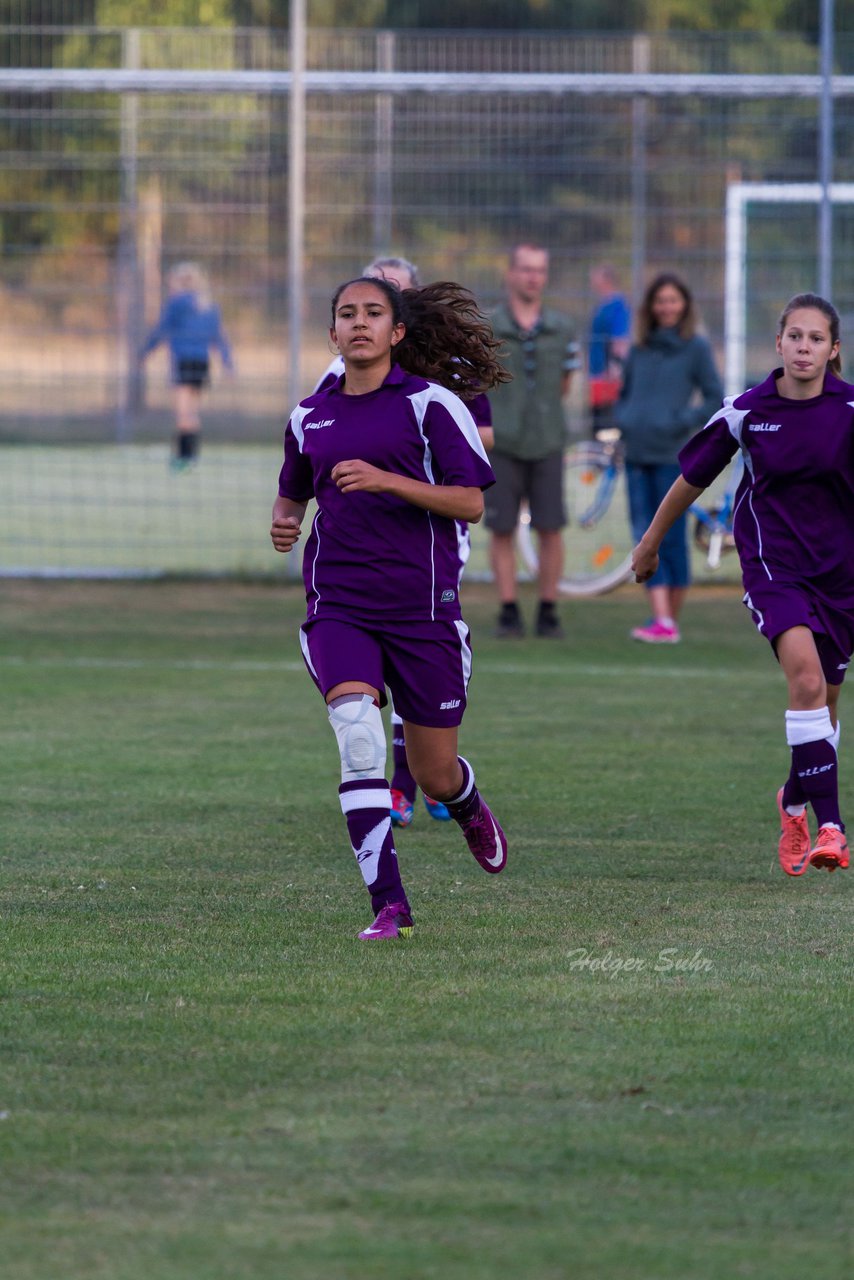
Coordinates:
[393,457]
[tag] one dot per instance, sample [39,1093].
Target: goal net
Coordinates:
[771,254]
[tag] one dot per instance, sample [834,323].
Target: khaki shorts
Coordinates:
[539,480]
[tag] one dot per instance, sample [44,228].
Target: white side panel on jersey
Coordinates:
[735,421]
[298,417]
[334,369]
[455,407]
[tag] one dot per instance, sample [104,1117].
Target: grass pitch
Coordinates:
[627,1058]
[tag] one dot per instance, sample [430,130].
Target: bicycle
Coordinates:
[598,541]
[713,527]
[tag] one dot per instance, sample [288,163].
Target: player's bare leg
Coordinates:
[447,776]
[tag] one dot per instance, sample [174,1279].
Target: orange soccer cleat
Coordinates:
[831,849]
[794,847]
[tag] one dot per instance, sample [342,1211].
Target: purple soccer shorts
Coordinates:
[426,665]
[778,606]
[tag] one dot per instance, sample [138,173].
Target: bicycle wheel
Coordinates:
[597,541]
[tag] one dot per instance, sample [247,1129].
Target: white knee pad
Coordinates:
[358,726]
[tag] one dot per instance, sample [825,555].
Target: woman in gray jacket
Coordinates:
[670,389]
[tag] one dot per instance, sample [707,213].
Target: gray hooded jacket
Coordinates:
[671,388]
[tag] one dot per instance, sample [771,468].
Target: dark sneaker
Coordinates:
[394,921]
[486,841]
[509,626]
[548,625]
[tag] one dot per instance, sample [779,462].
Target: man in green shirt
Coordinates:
[541,352]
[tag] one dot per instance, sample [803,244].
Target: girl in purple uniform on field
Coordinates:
[392,458]
[404,274]
[793,526]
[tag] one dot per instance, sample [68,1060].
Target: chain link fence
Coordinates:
[101,193]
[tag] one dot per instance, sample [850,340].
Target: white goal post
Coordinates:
[739,196]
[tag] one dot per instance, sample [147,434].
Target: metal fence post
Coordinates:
[130,303]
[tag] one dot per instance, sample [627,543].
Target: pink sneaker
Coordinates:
[402,810]
[656,633]
[393,921]
[486,841]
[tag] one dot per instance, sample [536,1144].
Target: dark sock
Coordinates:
[793,792]
[814,763]
[188,445]
[509,611]
[402,779]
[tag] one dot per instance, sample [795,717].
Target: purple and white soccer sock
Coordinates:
[366,804]
[466,804]
[402,779]
[814,776]
[794,798]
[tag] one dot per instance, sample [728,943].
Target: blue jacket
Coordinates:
[610,321]
[670,389]
[189,331]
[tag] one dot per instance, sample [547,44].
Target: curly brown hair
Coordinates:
[448,340]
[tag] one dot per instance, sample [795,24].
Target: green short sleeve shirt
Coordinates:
[527,413]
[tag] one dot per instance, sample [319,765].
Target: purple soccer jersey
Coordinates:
[374,556]
[793,517]
[481,410]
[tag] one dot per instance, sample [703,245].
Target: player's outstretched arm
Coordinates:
[674,504]
[287,521]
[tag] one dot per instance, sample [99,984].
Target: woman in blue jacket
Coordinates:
[191,325]
[671,388]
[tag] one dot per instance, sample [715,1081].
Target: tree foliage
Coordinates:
[489,15]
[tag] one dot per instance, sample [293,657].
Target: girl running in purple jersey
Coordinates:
[393,458]
[793,526]
[404,274]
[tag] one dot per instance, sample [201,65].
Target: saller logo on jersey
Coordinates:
[448,597]
[764,426]
[315,426]
[449,706]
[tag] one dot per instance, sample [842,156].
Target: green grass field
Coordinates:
[627,1058]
